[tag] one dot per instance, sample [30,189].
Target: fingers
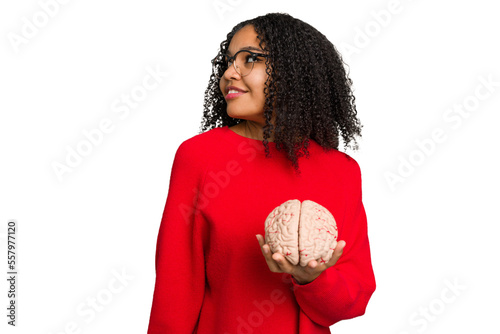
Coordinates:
[268,255]
[278,263]
[283,264]
[339,249]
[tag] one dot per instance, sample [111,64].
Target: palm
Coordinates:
[279,264]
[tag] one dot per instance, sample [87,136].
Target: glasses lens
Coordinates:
[244,62]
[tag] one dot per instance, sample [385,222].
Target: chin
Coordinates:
[236,114]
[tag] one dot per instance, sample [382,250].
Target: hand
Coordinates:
[279,264]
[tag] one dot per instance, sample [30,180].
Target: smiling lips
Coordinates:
[233,92]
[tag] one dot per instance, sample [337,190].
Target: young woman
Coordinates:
[277,102]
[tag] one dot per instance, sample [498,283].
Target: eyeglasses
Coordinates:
[243,61]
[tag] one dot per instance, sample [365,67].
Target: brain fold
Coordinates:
[302,232]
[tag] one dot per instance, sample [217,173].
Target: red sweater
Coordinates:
[211,276]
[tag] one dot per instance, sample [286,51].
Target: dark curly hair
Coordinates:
[307,85]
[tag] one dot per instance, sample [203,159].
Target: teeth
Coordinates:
[232,91]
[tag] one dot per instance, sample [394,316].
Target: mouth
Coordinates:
[233,92]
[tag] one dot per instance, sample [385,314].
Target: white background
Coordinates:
[412,70]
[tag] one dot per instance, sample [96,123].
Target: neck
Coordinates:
[254,130]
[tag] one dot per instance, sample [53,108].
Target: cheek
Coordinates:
[258,84]
[221,83]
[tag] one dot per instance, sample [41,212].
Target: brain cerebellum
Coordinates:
[301,232]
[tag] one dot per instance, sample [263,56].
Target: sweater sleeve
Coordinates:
[180,266]
[343,290]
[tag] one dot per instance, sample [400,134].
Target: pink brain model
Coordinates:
[301,232]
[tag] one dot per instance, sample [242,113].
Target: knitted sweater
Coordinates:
[211,276]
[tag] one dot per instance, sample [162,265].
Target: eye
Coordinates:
[252,58]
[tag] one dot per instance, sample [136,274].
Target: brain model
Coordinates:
[301,232]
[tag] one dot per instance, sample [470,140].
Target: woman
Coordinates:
[276,102]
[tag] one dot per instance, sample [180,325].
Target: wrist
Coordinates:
[298,281]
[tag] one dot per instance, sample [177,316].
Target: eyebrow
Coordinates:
[253,48]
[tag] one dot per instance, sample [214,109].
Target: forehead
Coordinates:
[245,39]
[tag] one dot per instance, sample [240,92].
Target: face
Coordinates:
[250,104]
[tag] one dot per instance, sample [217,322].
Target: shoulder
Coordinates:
[352,165]
[198,149]
[352,172]
[344,163]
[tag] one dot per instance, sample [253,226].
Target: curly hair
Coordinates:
[307,88]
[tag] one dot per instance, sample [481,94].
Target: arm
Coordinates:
[179,262]
[343,290]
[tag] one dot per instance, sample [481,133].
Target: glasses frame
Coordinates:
[233,60]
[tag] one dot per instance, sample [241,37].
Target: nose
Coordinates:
[231,73]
